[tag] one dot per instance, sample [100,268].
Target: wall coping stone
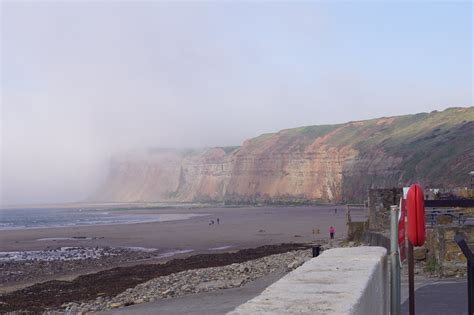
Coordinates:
[340,281]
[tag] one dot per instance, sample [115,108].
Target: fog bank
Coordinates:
[81,81]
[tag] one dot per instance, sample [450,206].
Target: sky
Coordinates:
[84,80]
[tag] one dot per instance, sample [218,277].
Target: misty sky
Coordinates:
[81,80]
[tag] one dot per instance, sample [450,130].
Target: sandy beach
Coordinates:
[127,244]
[239,227]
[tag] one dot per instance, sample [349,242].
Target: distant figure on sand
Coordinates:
[332,231]
[335,210]
[217,220]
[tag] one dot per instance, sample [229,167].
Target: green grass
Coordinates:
[431,265]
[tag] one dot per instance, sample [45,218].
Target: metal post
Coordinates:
[470,271]
[411,279]
[395,299]
[316,250]
[470,288]
[348,215]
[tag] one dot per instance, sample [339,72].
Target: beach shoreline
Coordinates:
[239,226]
[159,242]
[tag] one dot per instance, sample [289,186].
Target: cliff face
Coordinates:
[308,164]
[167,176]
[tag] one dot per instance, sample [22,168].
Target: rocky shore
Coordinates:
[24,266]
[193,281]
[135,284]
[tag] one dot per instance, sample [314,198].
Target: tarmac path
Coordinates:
[209,303]
[441,297]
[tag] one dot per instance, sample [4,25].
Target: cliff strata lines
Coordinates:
[308,164]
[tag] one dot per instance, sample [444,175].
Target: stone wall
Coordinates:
[380,201]
[441,246]
[339,281]
[355,231]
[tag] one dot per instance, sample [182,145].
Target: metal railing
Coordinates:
[470,271]
[458,216]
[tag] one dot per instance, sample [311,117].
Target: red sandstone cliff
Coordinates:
[308,164]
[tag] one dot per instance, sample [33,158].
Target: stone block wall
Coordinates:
[355,231]
[380,201]
[441,246]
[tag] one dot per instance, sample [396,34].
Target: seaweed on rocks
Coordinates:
[108,283]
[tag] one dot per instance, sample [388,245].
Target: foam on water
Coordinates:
[15,219]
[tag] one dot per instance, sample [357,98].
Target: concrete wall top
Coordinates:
[340,281]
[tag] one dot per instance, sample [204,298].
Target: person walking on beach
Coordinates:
[332,231]
[217,220]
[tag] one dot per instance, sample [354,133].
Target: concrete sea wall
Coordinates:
[377,239]
[340,281]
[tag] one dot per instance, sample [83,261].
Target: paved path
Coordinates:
[445,297]
[210,303]
[433,297]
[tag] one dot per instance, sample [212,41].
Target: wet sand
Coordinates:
[240,227]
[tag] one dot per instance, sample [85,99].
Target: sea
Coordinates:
[27,218]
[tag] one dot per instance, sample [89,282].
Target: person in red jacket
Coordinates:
[332,231]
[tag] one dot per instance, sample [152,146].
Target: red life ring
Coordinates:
[415,206]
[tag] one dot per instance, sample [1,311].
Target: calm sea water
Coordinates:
[43,218]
